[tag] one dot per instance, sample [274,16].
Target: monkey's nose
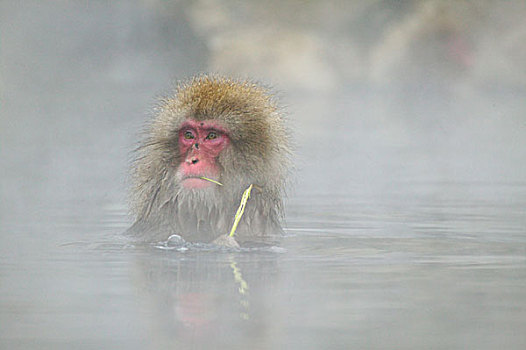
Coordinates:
[192,160]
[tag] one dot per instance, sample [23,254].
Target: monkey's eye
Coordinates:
[211,135]
[188,135]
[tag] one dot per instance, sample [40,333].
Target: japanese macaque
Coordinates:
[207,144]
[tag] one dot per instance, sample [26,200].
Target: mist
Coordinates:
[409,123]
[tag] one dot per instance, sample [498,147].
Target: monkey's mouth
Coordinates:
[196,182]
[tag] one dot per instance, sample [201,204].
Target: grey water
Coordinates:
[419,265]
[405,220]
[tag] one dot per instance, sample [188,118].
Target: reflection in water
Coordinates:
[243,289]
[202,296]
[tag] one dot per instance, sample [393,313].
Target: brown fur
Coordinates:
[258,154]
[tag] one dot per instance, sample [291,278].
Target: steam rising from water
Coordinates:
[408,203]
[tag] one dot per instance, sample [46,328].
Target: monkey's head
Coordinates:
[216,128]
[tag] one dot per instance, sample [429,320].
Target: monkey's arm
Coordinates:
[150,230]
[226,241]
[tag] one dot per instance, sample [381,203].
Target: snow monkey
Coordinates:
[209,141]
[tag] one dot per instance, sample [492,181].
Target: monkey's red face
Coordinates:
[200,143]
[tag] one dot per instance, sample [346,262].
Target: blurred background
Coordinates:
[429,88]
[404,113]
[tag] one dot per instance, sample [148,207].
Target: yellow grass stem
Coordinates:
[241,209]
[214,181]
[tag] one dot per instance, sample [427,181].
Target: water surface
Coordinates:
[426,265]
